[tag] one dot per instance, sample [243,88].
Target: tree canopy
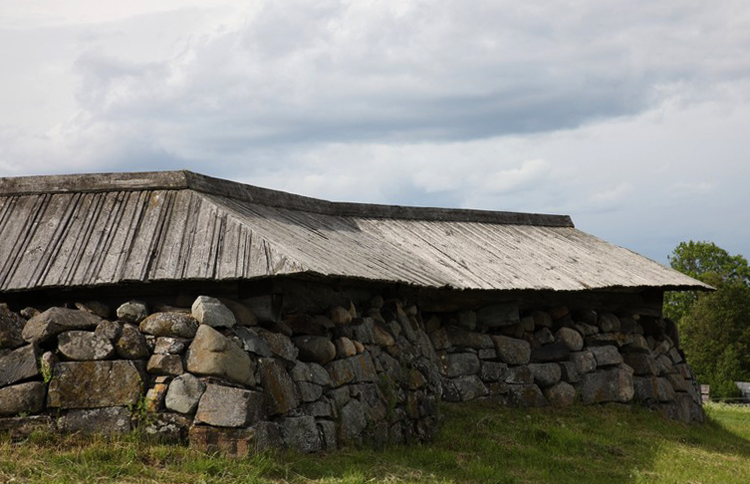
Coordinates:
[714,326]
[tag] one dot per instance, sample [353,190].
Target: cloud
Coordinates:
[579,108]
[403,72]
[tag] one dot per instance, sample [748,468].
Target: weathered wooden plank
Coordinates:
[168,263]
[141,251]
[17,233]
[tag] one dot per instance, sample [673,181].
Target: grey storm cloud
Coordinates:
[629,115]
[301,72]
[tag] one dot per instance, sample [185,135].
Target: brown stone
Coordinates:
[339,315]
[315,349]
[131,344]
[382,336]
[344,347]
[165,365]
[212,353]
[237,443]
[154,400]
[92,384]
[242,314]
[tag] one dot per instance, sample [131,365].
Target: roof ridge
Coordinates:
[185,179]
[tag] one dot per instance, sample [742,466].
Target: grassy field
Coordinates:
[478,444]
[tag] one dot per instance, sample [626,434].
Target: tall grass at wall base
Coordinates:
[479,443]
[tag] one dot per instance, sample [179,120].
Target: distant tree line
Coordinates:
[714,326]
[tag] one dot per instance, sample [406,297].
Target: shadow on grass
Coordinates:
[481,442]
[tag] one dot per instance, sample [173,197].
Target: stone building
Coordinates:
[239,317]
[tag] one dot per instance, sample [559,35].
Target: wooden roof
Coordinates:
[104,229]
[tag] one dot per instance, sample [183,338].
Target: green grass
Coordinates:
[479,443]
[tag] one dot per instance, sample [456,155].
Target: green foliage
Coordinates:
[709,263]
[46,370]
[714,326]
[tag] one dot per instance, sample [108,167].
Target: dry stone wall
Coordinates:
[239,375]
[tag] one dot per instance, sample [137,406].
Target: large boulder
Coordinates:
[109,420]
[606,355]
[22,398]
[610,385]
[211,311]
[301,434]
[278,385]
[93,384]
[184,393]
[653,389]
[570,338]
[222,406]
[131,345]
[315,349]
[58,320]
[464,388]
[84,345]
[560,395]
[18,365]
[512,351]
[165,365]
[460,364]
[280,345]
[212,353]
[545,374]
[132,312]
[170,324]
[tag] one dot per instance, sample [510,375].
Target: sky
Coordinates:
[631,116]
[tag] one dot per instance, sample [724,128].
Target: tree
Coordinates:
[714,326]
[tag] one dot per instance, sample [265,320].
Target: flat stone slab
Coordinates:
[612,385]
[176,325]
[94,384]
[58,320]
[222,406]
[278,385]
[18,365]
[22,398]
[84,345]
[109,420]
[211,311]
